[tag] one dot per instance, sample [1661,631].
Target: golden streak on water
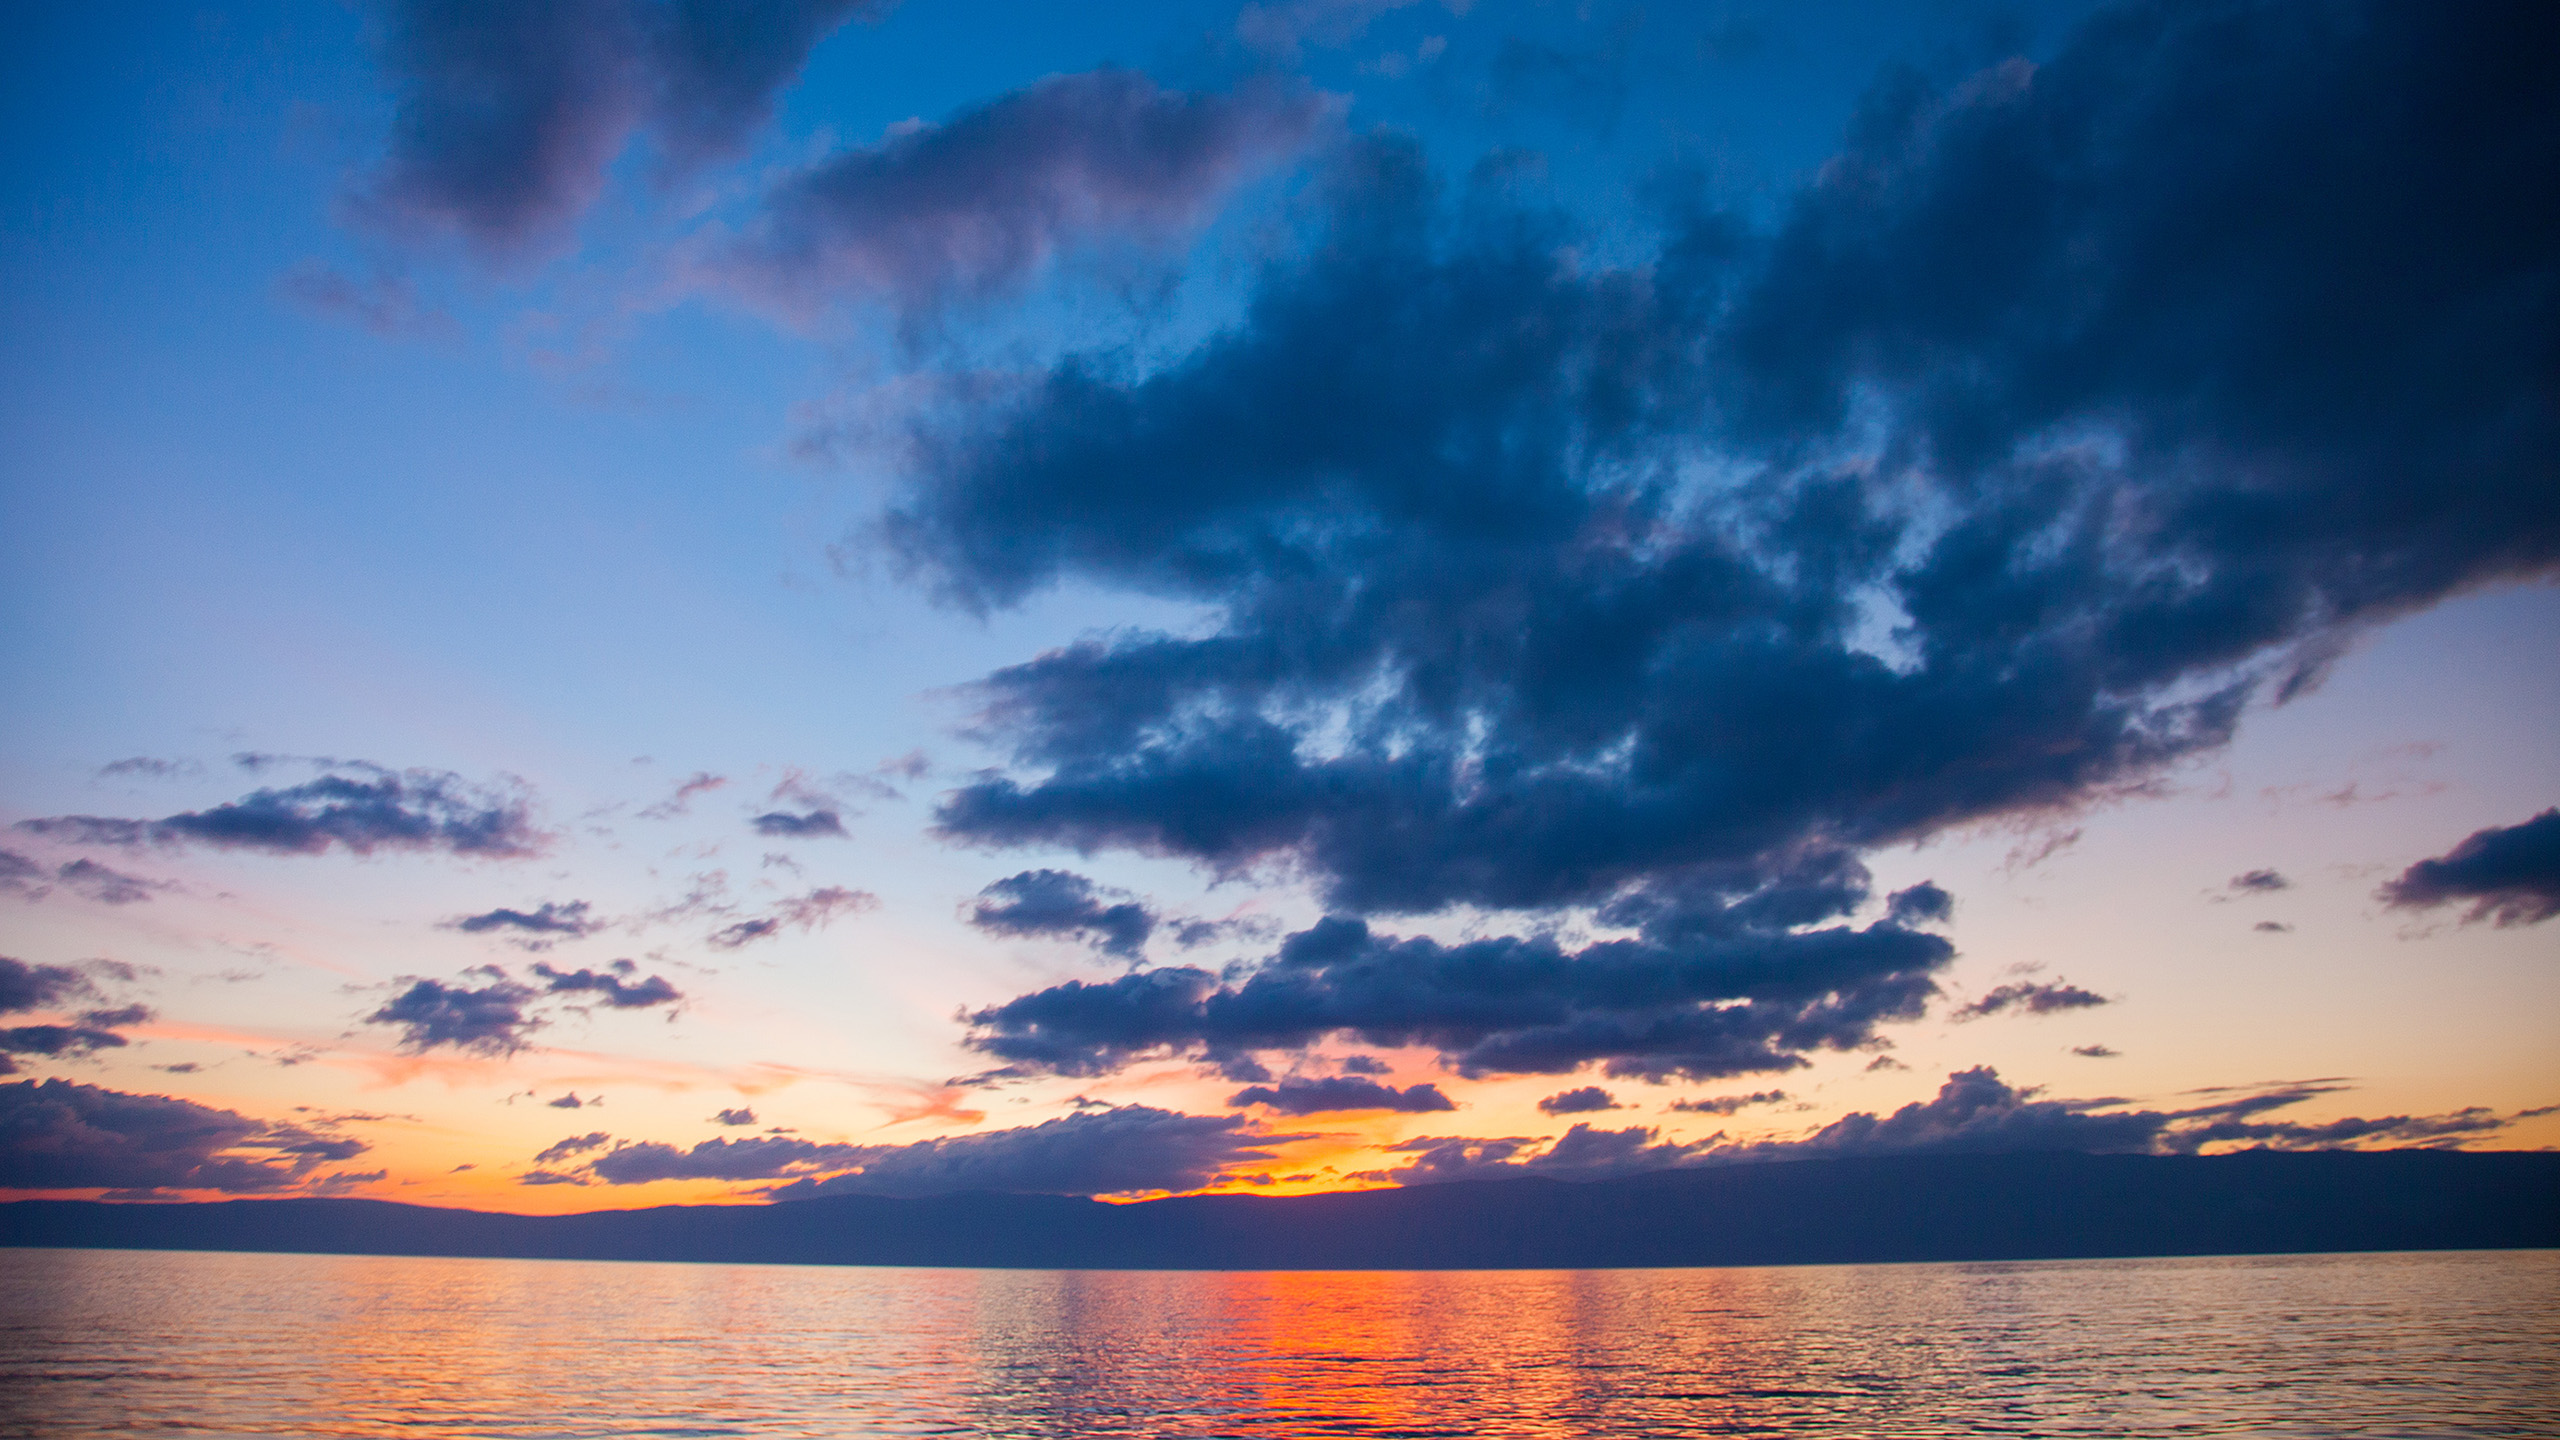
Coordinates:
[140,1343]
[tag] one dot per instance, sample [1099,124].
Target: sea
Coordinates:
[144,1343]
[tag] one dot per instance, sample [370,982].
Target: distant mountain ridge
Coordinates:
[1842,1211]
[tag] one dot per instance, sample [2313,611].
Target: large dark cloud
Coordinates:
[2066,413]
[973,207]
[2510,874]
[1715,983]
[1064,905]
[1109,1151]
[58,1135]
[509,113]
[361,808]
[1340,1094]
[1974,1112]
[2223,333]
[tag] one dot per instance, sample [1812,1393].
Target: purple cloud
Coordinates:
[2510,873]
[509,114]
[974,207]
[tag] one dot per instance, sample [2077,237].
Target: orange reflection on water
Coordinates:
[118,1343]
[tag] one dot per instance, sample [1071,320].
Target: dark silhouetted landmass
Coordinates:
[1909,1208]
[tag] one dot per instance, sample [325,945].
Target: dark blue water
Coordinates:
[134,1343]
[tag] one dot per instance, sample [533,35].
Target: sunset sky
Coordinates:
[629,602]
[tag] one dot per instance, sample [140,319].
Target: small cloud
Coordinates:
[813,911]
[2258,882]
[535,929]
[1579,1102]
[574,1145]
[1731,1104]
[2095,1052]
[570,1101]
[383,303]
[611,986]
[815,825]
[107,886]
[2272,927]
[145,767]
[1063,905]
[703,782]
[1340,1094]
[740,1116]
[2032,998]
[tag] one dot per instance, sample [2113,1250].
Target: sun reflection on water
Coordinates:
[104,1342]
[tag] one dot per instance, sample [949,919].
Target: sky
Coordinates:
[627,602]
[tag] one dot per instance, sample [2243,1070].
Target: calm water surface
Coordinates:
[136,1343]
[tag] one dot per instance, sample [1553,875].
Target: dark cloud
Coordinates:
[573,1146]
[54,1042]
[509,114]
[813,911]
[1340,1094]
[26,987]
[1922,904]
[817,824]
[1579,1102]
[611,986]
[2259,882]
[2510,874]
[1103,1150]
[537,927]
[146,767]
[1128,1149]
[1715,984]
[22,876]
[757,1157]
[1581,1153]
[1064,905]
[2032,998]
[489,1019]
[739,1116]
[2095,1052]
[106,885]
[2272,927]
[1728,1104]
[496,1015]
[1974,1112]
[58,1135]
[2064,414]
[362,810]
[973,207]
[569,1101]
